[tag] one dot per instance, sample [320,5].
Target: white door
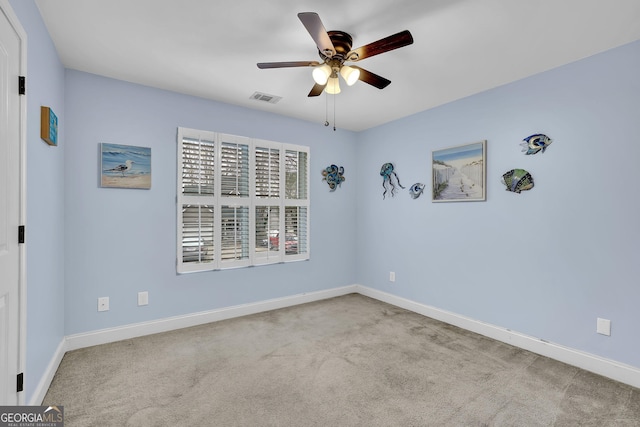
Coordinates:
[10,50]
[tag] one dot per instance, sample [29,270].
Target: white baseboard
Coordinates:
[607,368]
[43,385]
[105,336]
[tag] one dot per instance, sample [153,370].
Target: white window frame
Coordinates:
[257,255]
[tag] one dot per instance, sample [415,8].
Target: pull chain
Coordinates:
[334,113]
[326,109]
[326,112]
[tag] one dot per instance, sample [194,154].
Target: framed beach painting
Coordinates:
[459,173]
[125,166]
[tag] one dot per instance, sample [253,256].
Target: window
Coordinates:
[241,201]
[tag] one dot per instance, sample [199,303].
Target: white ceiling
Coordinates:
[210,48]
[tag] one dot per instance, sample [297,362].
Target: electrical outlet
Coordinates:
[392,276]
[603,326]
[143,298]
[103,304]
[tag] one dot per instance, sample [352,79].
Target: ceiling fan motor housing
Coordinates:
[342,43]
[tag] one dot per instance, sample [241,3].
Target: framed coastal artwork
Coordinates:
[459,173]
[125,166]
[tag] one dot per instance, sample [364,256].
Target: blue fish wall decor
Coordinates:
[334,175]
[517,180]
[535,143]
[416,190]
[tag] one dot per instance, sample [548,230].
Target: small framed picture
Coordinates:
[48,126]
[125,166]
[459,173]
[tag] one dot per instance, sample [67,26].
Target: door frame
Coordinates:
[7,10]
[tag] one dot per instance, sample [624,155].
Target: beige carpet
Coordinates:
[347,361]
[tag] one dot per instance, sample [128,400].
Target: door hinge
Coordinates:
[22,85]
[21,234]
[20,382]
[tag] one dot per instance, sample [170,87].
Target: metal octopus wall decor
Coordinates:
[334,176]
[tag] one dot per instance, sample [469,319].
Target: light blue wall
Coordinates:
[45,198]
[122,241]
[546,262]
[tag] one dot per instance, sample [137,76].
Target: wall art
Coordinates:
[535,143]
[517,180]
[48,126]
[125,166]
[388,176]
[334,176]
[459,173]
[416,190]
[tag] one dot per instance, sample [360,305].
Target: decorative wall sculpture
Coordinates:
[517,180]
[535,143]
[388,175]
[416,190]
[334,176]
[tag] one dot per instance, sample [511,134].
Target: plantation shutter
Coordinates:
[198,159]
[234,169]
[267,234]
[234,201]
[240,201]
[197,234]
[296,218]
[196,194]
[296,175]
[267,172]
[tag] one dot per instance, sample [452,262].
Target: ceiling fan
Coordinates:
[334,48]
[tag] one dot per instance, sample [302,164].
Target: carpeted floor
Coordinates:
[347,361]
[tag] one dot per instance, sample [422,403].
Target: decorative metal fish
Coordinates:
[517,180]
[535,143]
[416,190]
[334,176]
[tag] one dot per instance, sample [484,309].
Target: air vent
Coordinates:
[265,97]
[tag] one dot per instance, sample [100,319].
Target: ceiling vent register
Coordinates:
[265,97]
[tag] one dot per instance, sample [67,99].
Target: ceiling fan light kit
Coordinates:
[321,74]
[334,48]
[333,86]
[350,74]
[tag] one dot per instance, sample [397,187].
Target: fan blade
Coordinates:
[316,90]
[395,41]
[263,65]
[371,78]
[313,24]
